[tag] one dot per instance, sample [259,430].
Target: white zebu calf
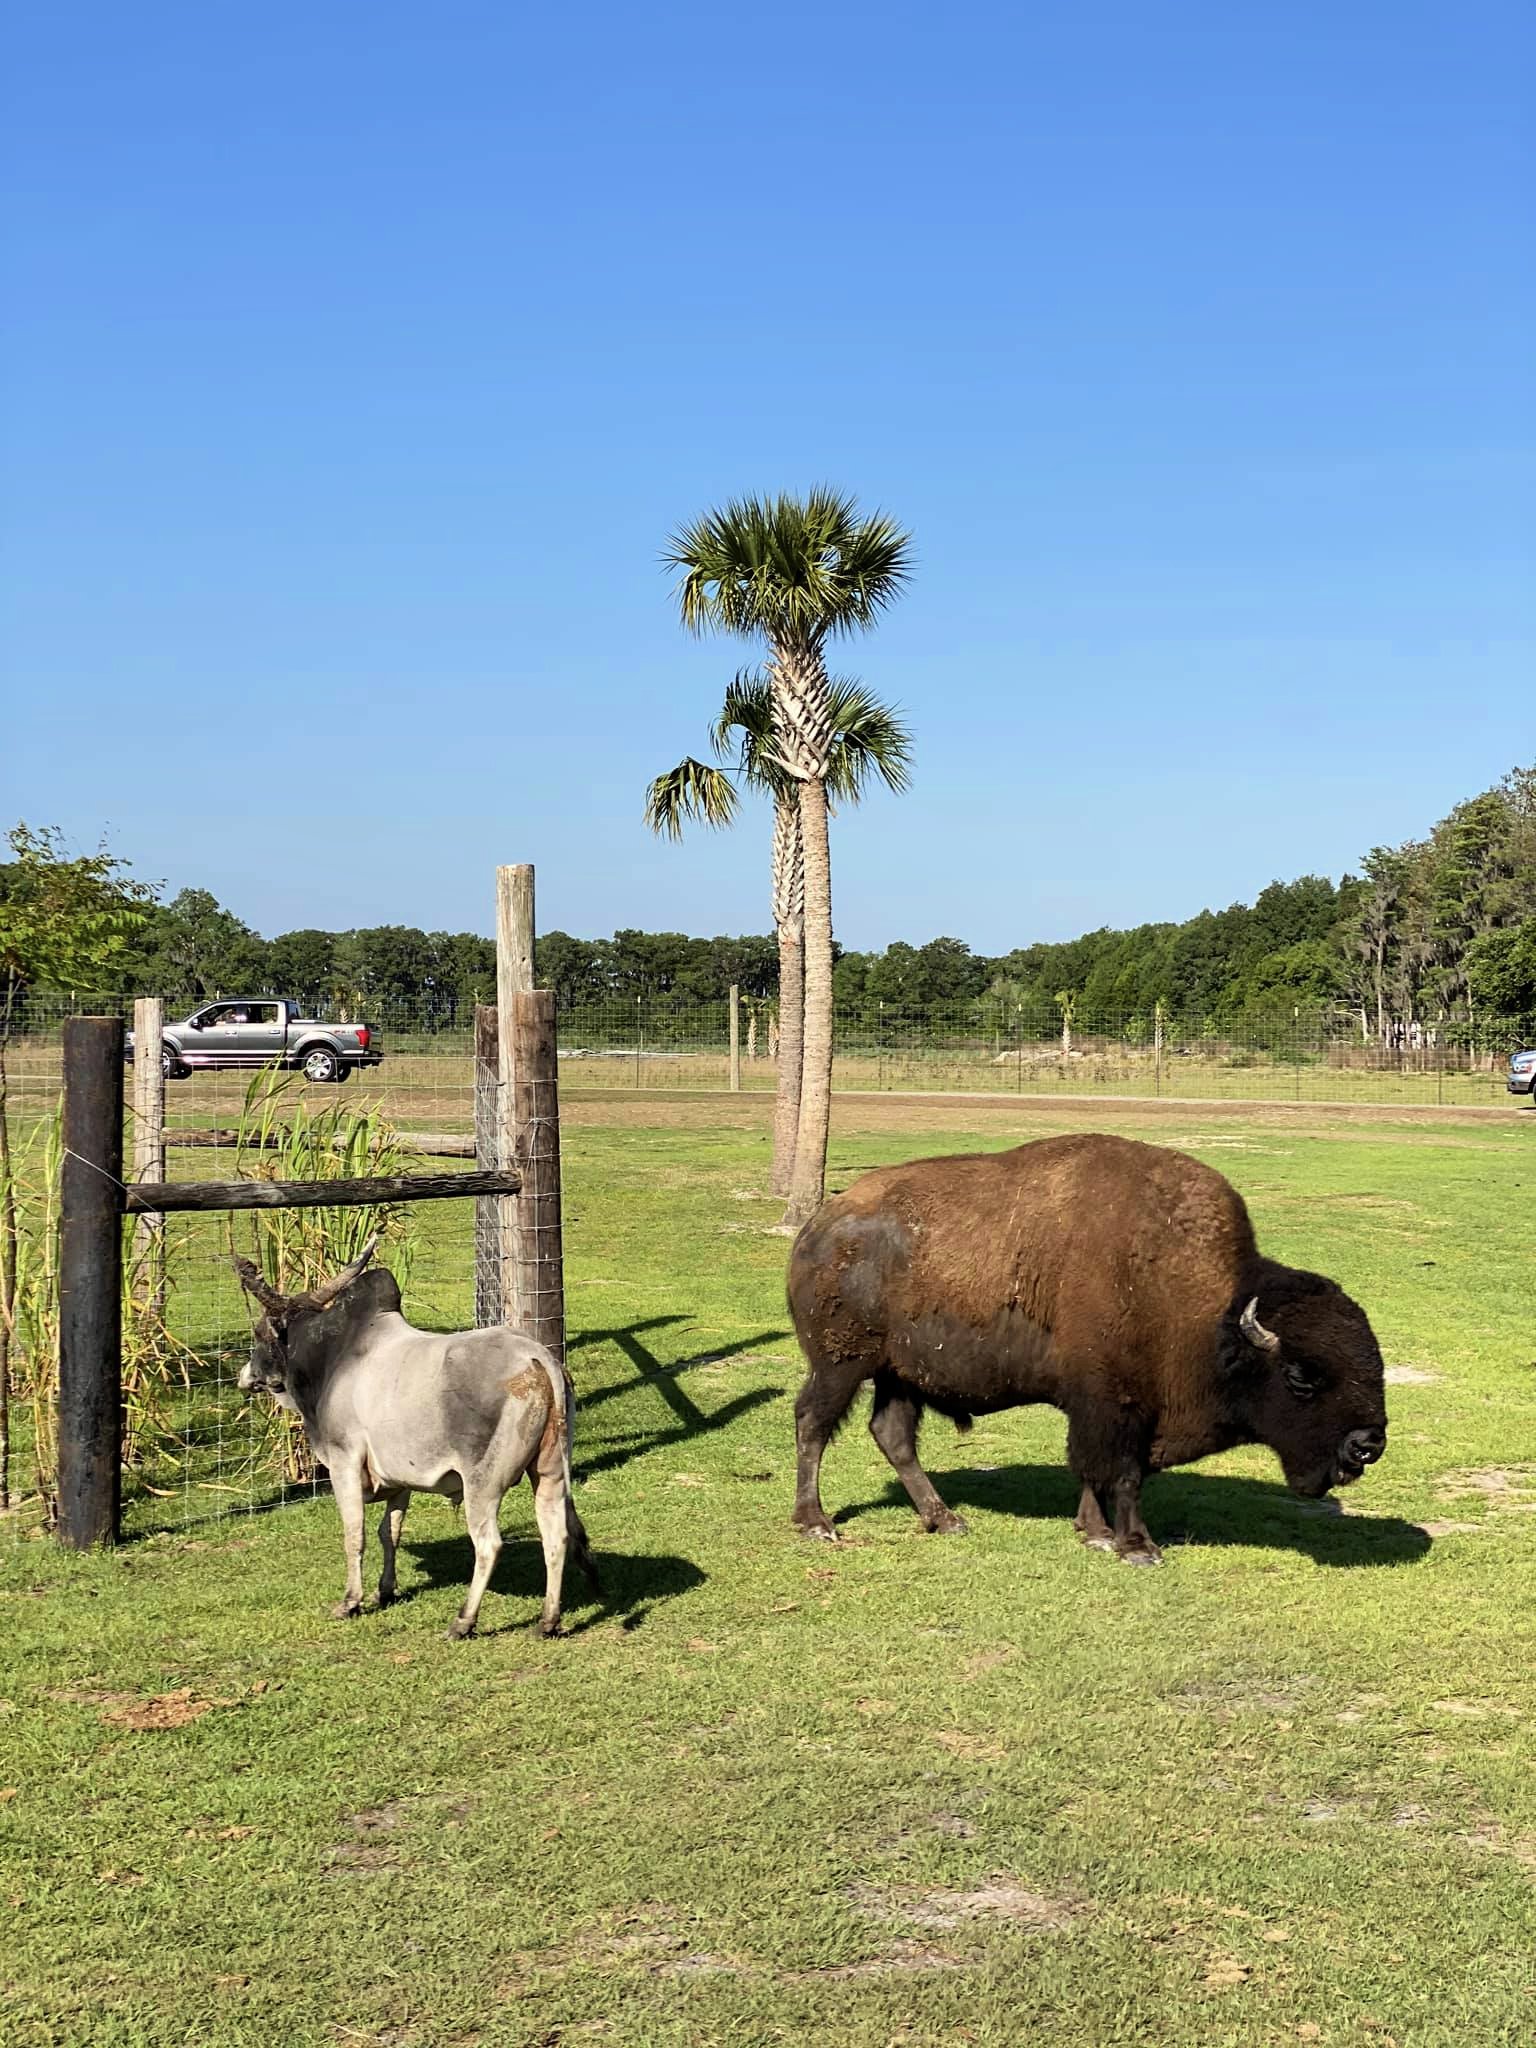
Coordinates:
[392,1410]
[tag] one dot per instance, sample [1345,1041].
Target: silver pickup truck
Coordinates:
[263,1031]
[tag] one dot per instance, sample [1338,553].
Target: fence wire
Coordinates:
[195,1446]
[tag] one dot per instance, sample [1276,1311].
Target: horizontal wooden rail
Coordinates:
[156,1197]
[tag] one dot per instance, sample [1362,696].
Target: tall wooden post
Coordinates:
[540,1244]
[487,1155]
[735,1039]
[90,1284]
[149,1144]
[514,977]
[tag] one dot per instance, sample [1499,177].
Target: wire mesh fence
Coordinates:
[196,1447]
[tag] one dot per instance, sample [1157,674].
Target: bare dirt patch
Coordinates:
[904,1958]
[998,1899]
[878,1113]
[370,1847]
[1235,1696]
[360,1856]
[166,1710]
[969,1748]
[1501,1486]
[1499,1841]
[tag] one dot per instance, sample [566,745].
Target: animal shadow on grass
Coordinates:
[1207,1508]
[632,1586]
[689,1419]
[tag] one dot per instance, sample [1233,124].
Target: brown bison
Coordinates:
[1119,1282]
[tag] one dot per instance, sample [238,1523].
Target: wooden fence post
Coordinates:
[90,1284]
[514,977]
[487,1154]
[540,1245]
[149,1144]
[735,1039]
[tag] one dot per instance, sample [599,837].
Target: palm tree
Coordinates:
[869,739]
[796,573]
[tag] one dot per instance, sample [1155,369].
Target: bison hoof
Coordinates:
[948,1524]
[459,1629]
[1147,1556]
[345,1609]
[1099,1543]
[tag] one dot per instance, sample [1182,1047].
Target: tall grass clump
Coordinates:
[29,1193]
[154,1359]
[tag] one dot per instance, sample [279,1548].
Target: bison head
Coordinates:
[1308,1376]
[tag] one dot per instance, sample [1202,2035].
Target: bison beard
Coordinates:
[1119,1282]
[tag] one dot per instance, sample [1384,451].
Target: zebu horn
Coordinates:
[323,1295]
[1260,1338]
[251,1280]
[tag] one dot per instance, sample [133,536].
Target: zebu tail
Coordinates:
[560,1390]
[564,1409]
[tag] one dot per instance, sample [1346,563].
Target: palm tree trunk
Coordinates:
[809,1184]
[786,1108]
[789,922]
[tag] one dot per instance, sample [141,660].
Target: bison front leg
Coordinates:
[1092,1524]
[1111,1463]
[1133,1543]
[893,1425]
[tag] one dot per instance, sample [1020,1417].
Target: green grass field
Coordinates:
[914,1790]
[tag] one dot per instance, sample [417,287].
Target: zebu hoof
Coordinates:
[820,1530]
[387,1596]
[550,1628]
[948,1524]
[459,1629]
[345,1609]
[1099,1543]
[1151,1555]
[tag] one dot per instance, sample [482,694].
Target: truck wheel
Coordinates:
[321,1064]
[171,1068]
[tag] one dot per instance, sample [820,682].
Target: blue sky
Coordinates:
[359,361]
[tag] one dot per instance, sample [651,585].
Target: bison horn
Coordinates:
[323,1295]
[253,1283]
[1254,1330]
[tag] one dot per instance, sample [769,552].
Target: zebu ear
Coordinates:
[253,1283]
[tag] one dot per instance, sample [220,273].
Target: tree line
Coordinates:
[1429,937]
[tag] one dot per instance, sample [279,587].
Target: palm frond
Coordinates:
[747,713]
[870,738]
[787,568]
[694,792]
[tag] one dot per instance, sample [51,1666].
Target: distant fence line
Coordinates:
[982,1046]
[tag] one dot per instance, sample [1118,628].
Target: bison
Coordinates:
[1119,1282]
